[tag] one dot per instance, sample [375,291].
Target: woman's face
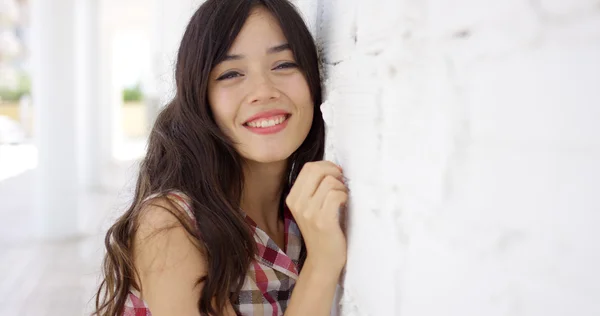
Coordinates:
[258,95]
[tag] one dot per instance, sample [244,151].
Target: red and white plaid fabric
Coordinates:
[269,282]
[134,306]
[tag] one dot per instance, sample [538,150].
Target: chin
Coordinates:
[268,157]
[269,152]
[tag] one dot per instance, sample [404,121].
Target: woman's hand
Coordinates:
[315,200]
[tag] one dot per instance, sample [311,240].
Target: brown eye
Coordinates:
[286,66]
[229,75]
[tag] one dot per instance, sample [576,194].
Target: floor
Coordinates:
[54,277]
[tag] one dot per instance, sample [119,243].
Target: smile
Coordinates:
[268,125]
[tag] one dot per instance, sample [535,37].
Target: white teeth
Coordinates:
[267,123]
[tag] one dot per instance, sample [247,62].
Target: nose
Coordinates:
[262,90]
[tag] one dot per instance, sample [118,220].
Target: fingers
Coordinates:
[315,200]
[329,183]
[309,179]
[313,173]
[334,201]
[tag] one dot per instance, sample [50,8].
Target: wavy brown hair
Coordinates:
[189,153]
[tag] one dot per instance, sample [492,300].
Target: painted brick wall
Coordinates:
[469,131]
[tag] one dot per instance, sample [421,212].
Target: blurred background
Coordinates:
[80,84]
[474,173]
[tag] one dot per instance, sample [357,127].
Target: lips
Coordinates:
[264,127]
[271,114]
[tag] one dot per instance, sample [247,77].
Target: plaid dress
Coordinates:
[270,279]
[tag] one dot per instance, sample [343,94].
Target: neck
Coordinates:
[262,192]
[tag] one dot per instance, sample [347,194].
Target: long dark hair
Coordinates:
[189,153]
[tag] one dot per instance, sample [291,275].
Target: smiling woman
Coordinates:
[259,90]
[235,213]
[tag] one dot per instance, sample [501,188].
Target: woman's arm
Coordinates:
[169,263]
[314,291]
[315,201]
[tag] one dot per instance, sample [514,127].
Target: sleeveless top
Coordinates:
[270,279]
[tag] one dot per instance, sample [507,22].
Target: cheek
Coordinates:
[298,91]
[223,106]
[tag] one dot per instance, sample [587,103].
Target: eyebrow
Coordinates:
[272,50]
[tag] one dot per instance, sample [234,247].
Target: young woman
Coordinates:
[235,213]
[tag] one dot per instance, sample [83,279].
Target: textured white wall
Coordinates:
[469,132]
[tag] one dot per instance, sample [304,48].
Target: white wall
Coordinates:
[469,132]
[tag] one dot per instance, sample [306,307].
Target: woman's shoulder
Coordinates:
[164,212]
[174,201]
[168,257]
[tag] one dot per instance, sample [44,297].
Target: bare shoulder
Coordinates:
[163,212]
[168,259]
[161,232]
